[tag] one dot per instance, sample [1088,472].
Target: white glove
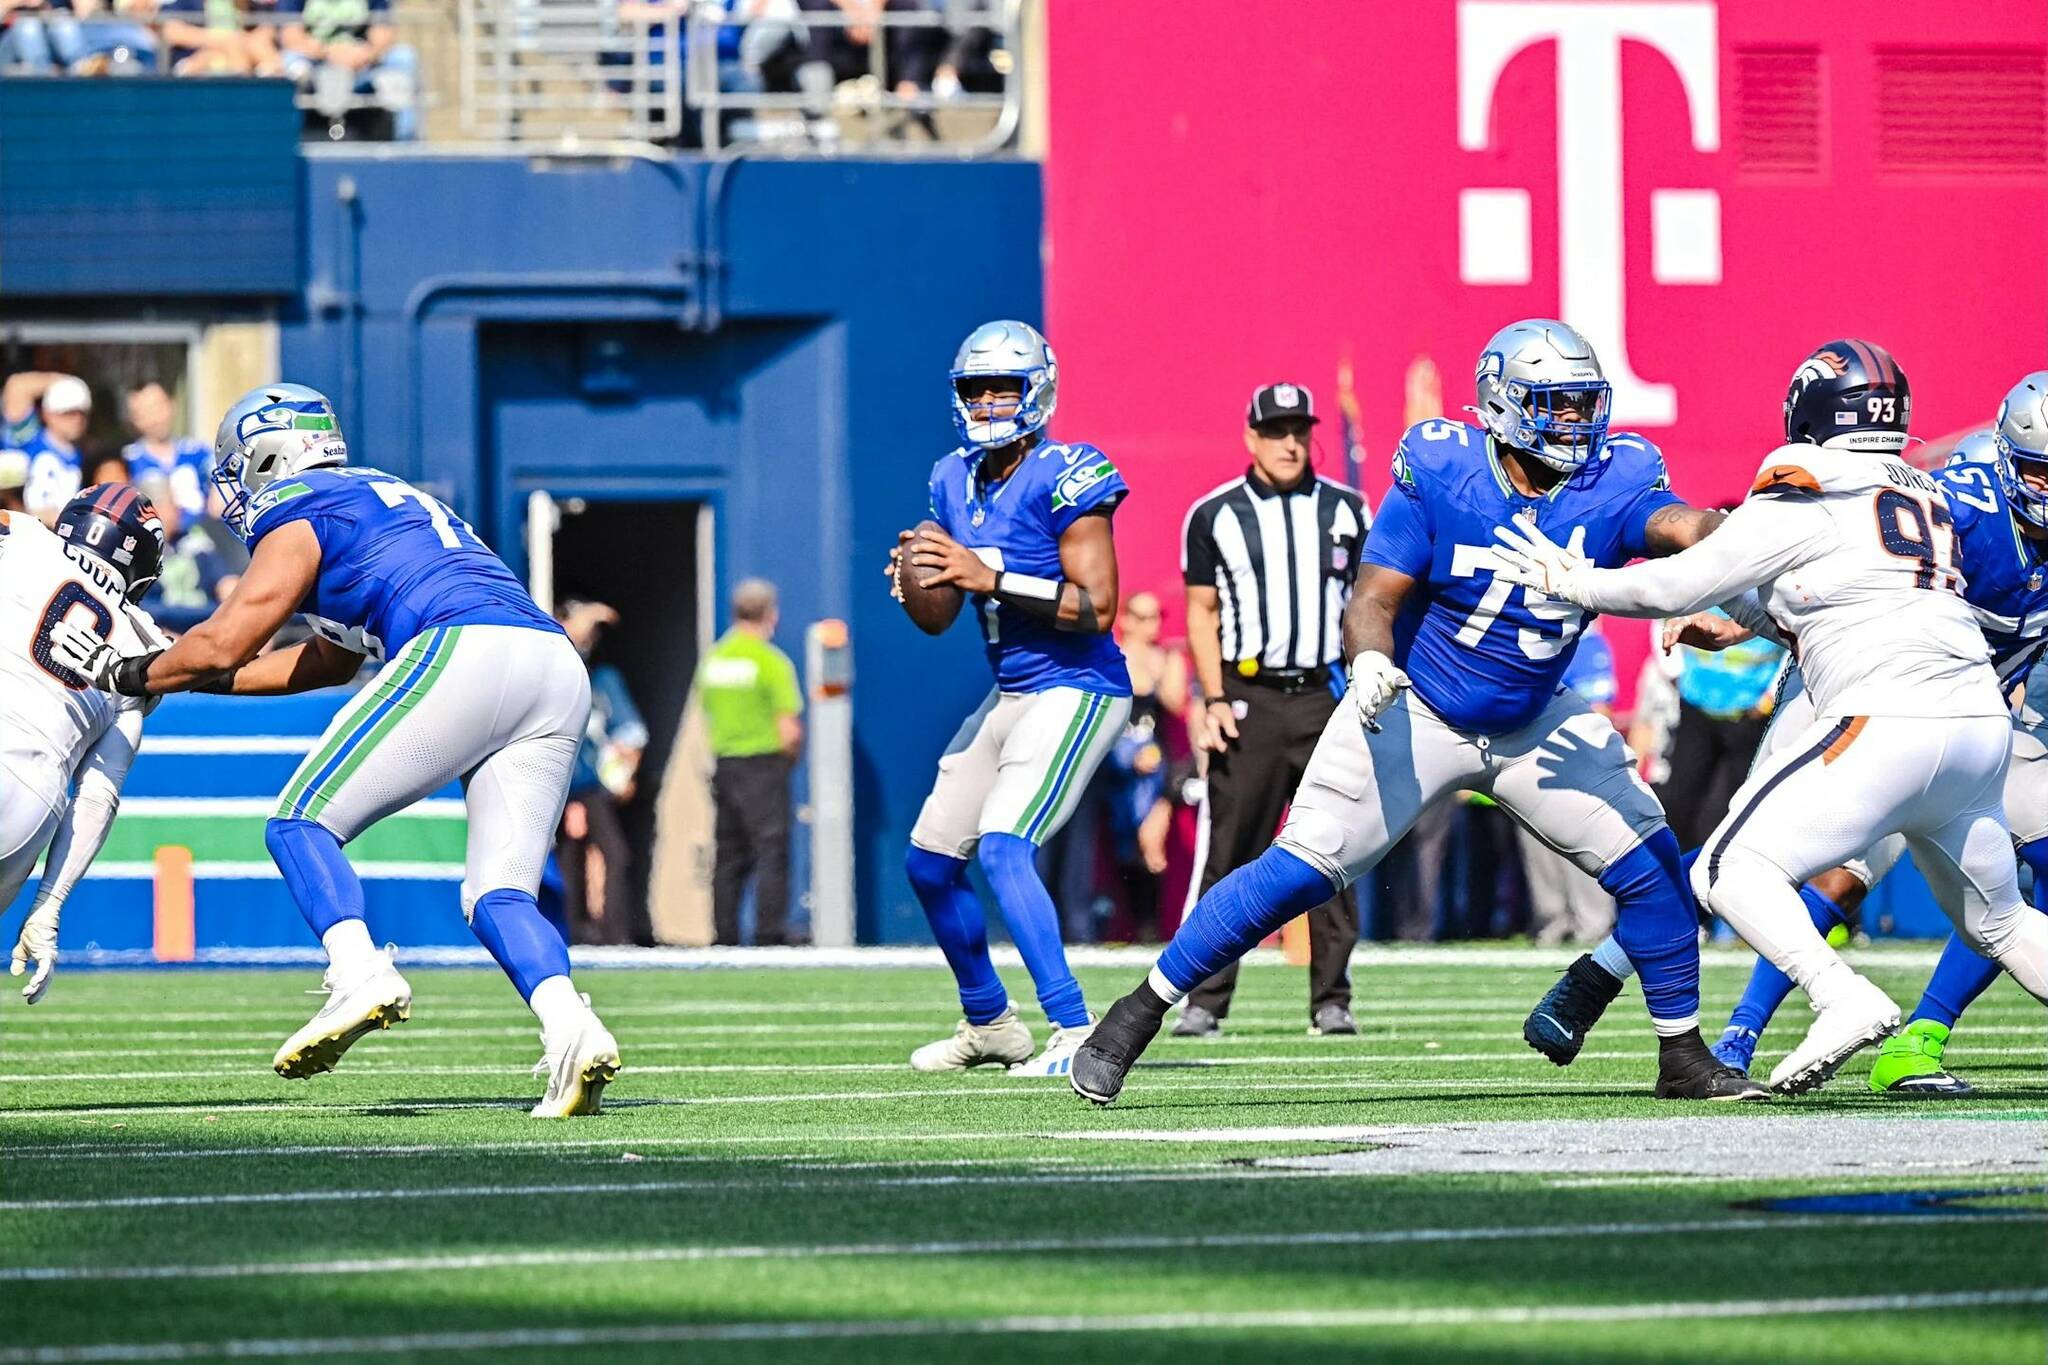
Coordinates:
[1375,682]
[37,944]
[84,651]
[1525,555]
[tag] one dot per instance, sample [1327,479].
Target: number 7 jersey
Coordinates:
[1488,655]
[393,561]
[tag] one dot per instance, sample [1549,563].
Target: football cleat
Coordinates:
[1112,1049]
[1058,1057]
[1557,1027]
[1736,1047]
[1860,1016]
[1002,1041]
[1686,1070]
[1909,1064]
[356,1005]
[1333,1021]
[578,1066]
[1196,1022]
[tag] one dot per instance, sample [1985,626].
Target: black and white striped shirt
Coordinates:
[1282,565]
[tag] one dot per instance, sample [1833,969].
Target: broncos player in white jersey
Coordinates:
[1847,554]
[481,686]
[65,748]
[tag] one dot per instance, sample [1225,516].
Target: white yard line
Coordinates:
[579,1256]
[1314,1319]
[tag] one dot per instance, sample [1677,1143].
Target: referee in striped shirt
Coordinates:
[1269,559]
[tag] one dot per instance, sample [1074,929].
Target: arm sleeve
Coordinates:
[83,830]
[1760,540]
[1401,539]
[1197,551]
[782,689]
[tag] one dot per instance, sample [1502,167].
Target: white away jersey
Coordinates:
[50,716]
[1853,557]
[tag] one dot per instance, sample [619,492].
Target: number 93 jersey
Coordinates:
[1487,654]
[393,561]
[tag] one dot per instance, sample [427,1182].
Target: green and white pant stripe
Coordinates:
[499,708]
[1018,766]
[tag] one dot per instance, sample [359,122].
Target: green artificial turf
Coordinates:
[770,1182]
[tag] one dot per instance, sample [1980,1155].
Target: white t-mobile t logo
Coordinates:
[1685,224]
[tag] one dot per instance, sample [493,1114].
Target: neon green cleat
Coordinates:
[1838,937]
[1909,1063]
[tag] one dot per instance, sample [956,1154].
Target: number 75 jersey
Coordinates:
[1488,655]
[393,561]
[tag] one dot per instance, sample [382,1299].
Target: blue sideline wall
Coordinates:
[770,337]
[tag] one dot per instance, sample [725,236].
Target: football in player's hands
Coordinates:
[932,606]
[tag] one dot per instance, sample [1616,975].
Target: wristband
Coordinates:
[1025,587]
[131,675]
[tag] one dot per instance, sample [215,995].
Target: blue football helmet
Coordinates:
[115,522]
[2021,437]
[1849,395]
[1541,390]
[272,433]
[1012,350]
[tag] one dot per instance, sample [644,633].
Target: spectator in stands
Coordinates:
[105,37]
[101,469]
[755,711]
[172,470]
[25,37]
[45,416]
[220,38]
[596,860]
[1565,904]
[752,32]
[838,52]
[13,480]
[959,56]
[1139,808]
[339,49]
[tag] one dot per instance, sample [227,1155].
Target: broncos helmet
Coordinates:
[1012,350]
[271,433]
[1849,395]
[2021,437]
[115,522]
[1532,374]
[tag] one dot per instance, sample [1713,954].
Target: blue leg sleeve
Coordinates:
[323,885]
[953,911]
[510,924]
[1963,973]
[1238,912]
[1034,925]
[1657,925]
[1768,986]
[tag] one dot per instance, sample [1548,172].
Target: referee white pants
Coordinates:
[501,708]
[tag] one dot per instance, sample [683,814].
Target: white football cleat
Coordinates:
[360,1003]
[578,1066]
[1002,1041]
[1058,1057]
[1860,1016]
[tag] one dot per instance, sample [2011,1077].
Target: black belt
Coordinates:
[1288,679]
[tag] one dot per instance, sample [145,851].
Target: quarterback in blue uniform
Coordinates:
[1456,684]
[480,685]
[1027,537]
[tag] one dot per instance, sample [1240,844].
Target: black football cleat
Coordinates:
[1558,1026]
[1686,1070]
[1115,1046]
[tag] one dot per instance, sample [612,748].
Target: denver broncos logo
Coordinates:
[1821,365]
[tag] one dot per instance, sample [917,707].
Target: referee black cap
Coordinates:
[1277,402]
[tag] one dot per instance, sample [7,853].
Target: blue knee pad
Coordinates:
[1657,925]
[1238,912]
[510,924]
[323,885]
[960,929]
[1034,924]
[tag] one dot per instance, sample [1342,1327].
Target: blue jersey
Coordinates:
[184,472]
[393,561]
[1016,525]
[2005,575]
[1486,654]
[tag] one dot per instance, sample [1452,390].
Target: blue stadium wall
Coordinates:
[768,338]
